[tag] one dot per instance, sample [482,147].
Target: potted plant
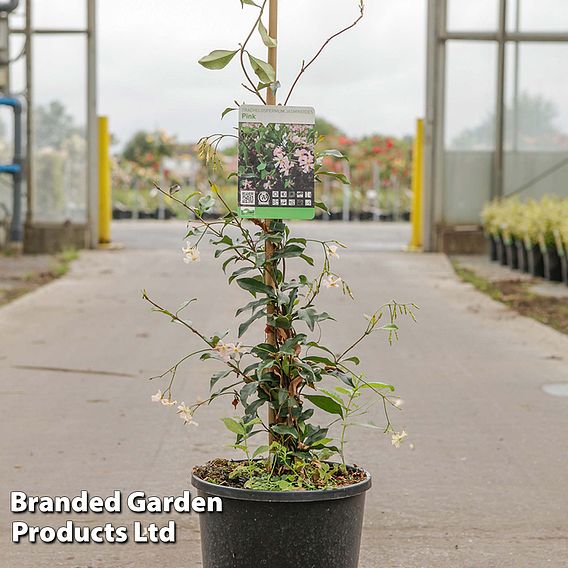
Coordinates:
[512,214]
[292,499]
[549,221]
[489,217]
[561,237]
[522,257]
[530,228]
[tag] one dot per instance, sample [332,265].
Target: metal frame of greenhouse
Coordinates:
[440,232]
[38,235]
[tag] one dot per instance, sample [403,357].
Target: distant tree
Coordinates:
[326,128]
[54,125]
[535,128]
[147,148]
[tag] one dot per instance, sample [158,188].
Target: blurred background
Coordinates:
[484,77]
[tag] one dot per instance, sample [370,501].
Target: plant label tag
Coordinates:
[276,162]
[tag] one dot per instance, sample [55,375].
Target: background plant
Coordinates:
[540,222]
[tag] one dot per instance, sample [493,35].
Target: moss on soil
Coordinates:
[236,474]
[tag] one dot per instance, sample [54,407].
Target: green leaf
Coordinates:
[248,3]
[260,450]
[345,378]
[390,327]
[325,403]
[264,351]
[354,360]
[253,407]
[289,345]
[246,391]
[340,177]
[266,39]
[289,251]
[234,426]
[206,203]
[227,111]
[264,71]
[217,377]
[321,205]
[311,316]
[252,306]
[334,153]
[217,59]
[378,386]
[322,360]
[308,259]
[284,430]
[245,325]
[254,286]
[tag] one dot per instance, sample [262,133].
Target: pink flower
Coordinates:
[278,152]
[284,164]
[305,159]
[295,139]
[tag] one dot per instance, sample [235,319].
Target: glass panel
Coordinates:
[469,129]
[470,96]
[536,120]
[59,14]
[538,15]
[467,185]
[17,87]
[6,157]
[465,15]
[60,147]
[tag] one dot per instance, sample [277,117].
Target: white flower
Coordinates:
[236,350]
[397,438]
[224,350]
[332,251]
[191,253]
[186,414]
[332,281]
[160,397]
[229,351]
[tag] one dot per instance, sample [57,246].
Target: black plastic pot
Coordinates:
[536,261]
[492,248]
[282,529]
[522,256]
[564,265]
[511,254]
[501,252]
[552,265]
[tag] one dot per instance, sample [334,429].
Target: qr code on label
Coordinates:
[248,197]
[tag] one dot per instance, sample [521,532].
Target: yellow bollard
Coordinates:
[417,185]
[105,205]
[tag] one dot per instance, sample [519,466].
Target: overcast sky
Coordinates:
[369,80]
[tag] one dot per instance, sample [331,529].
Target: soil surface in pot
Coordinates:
[235,474]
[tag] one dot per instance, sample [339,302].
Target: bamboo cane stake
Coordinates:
[269,247]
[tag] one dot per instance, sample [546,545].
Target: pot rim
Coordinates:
[300,496]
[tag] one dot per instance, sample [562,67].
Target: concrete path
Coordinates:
[481,482]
